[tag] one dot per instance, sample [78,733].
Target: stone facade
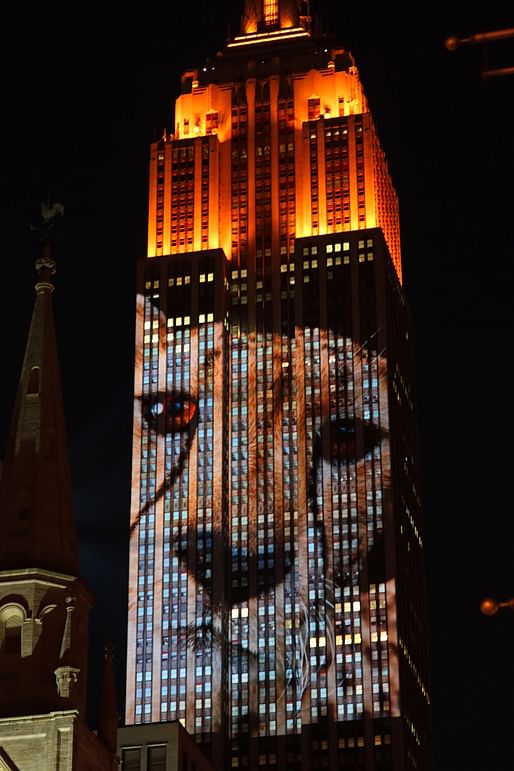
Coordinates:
[57,741]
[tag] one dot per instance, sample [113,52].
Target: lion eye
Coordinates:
[156,409]
[179,411]
[169,413]
[343,438]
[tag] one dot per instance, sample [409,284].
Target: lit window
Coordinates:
[270,12]
[313,106]
[211,123]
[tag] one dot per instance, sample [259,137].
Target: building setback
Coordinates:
[276,599]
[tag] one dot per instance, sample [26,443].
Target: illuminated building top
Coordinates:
[271,21]
[275,64]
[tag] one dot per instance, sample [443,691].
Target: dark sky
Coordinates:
[83,96]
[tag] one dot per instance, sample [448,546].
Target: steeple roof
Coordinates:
[36,513]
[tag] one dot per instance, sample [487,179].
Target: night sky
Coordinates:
[83,96]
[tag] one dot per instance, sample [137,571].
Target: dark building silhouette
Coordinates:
[276,599]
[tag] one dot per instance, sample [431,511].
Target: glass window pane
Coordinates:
[131,759]
[157,758]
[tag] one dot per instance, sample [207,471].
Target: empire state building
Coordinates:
[276,598]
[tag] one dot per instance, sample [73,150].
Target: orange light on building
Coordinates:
[270,12]
[268,37]
[349,171]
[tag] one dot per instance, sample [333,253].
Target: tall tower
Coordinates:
[44,604]
[276,566]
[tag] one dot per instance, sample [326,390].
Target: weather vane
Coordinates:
[47,228]
[49,233]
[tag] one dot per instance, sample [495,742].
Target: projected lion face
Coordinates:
[320,555]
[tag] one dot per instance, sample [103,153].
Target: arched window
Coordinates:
[12,617]
[33,384]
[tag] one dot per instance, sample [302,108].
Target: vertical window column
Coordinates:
[239,530]
[203,621]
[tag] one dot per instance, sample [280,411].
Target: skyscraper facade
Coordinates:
[276,599]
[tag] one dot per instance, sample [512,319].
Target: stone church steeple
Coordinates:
[37,524]
[44,604]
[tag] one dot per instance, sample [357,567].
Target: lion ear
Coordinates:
[140,308]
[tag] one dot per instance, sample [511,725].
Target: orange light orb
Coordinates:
[489,606]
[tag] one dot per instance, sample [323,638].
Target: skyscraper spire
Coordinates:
[266,15]
[36,514]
